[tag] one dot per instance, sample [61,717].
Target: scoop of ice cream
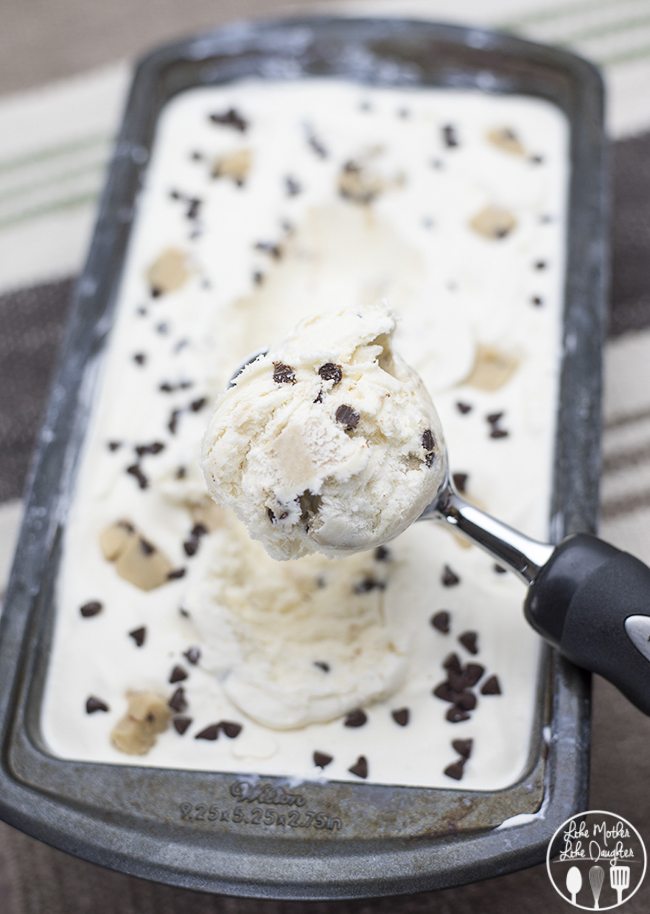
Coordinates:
[329,443]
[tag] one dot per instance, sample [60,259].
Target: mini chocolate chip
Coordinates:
[452,663]
[292,186]
[190,547]
[172,425]
[382,554]
[496,432]
[456,715]
[356,718]
[493,418]
[360,767]
[322,759]
[192,655]
[540,264]
[283,374]
[369,583]
[90,609]
[145,546]
[427,440]
[401,716]
[463,747]
[149,449]
[456,769]
[210,732]
[139,358]
[331,372]
[178,674]
[319,398]
[230,118]
[537,300]
[138,635]
[258,277]
[114,445]
[230,728]
[181,472]
[440,621]
[463,408]
[178,702]
[95,704]
[325,667]
[499,569]
[198,404]
[469,640]
[193,207]
[181,724]
[347,417]
[450,136]
[271,516]
[135,471]
[466,700]
[449,578]
[460,481]
[185,613]
[176,573]
[472,672]
[445,692]
[317,146]
[491,686]
[198,530]
[269,247]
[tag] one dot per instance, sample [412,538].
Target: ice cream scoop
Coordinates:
[587,598]
[330,443]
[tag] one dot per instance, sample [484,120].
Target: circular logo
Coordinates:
[596,860]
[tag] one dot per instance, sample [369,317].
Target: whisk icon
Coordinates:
[596,879]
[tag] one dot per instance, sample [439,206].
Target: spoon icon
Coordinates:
[573,882]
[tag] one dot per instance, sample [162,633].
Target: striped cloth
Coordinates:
[54,145]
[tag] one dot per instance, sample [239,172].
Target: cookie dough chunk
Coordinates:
[234,166]
[136,559]
[493,222]
[168,272]
[492,368]
[506,139]
[146,717]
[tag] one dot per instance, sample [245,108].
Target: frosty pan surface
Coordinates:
[340,839]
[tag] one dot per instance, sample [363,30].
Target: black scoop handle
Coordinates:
[592,601]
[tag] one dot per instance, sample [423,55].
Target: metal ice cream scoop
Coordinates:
[587,598]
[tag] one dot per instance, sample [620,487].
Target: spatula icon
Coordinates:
[596,879]
[619,879]
[573,882]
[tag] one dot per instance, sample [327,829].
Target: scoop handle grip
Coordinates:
[592,601]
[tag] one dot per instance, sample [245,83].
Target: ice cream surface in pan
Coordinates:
[178,640]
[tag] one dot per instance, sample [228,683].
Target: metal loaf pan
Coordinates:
[314,840]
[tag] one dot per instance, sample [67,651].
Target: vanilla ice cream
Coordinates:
[329,442]
[266,203]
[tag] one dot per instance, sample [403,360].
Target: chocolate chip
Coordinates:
[360,767]
[427,440]
[496,432]
[331,372]
[230,728]
[135,471]
[185,613]
[145,546]
[356,718]
[210,732]
[471,673]
[139,358]
[463,747]
[178,674]
[90,609]
[199,530]
[181,724]
[456,769]
[449,136]
[152,449]
[178,702]
[176,573]
[369,583]
[138,635]
[271,516]
[456,715]
[230,118]
[322,759]
[292,186]
[382,554]
[181,472]
[466,700]
[269,247]
[499,569]
[401,716]
[325,667]
[190,547]
[452,663]
[540,264]
[493,418]
[114,445]
[449,578]
[193,207]
[198,404]
[537,300]
[460,481]
[469,640]
[445,692]
[440,621]
[429,459]
[317,146]
[283,374]
[192,655]
[463,408]
[95,704]
[347,417]
[258,277]
[319,398]
[491,686]
[172,425]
